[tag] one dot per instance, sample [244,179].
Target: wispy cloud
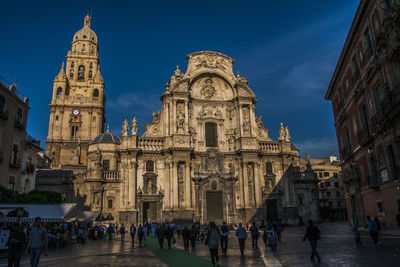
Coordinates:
[318,147]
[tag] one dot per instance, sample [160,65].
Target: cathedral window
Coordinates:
[81,73]
[74,131]
[106,165]
[96,93]
[72,64]
[110,204]
[59,91]
[91,66]
[71,73]
[90,74]
[57,118]
[149,166]
[211,134]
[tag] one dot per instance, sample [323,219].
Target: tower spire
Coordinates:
[87,20]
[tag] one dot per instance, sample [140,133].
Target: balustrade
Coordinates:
[150,143]
[111,175]
[269,146]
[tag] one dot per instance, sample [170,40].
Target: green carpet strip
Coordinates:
[175,257]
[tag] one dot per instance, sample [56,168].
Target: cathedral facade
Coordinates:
[204,157]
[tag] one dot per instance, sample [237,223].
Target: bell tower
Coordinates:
[77,105]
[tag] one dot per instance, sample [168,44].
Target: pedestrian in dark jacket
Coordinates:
[140,235]
[160,233]
[241,235]
[212,241]
[373,230]
[255,234]
[169,234]
[224,237]
[312,234]
[186,236]
[193,236]
[132,231]
[16,242]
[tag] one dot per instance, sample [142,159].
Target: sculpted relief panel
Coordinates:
[212,88]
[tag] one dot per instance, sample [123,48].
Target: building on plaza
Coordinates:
[18,150]
[330,187]
[365,95]
[205,156]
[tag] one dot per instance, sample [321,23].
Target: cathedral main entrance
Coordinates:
[214,207]
[150,211]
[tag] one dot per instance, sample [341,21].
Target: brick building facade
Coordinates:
[365,95]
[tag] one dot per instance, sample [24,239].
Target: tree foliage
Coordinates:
[33,197]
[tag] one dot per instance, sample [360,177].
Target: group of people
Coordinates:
[373,225]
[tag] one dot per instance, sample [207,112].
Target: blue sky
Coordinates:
[287,49]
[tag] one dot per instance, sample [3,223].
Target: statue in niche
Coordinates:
[180,119]
[231,142]
[125,128]
[150,186]
[197,168]
[246,121]
[134,126]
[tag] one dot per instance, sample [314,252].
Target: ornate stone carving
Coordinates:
[210,111]
[242,79]
[250,181]
[230,113]
[246,120]
[125,128]
[208,89]
[287,135]
[261,131]
[211,60]
[150,186]
[281,133]
[156,117]
[134,126]
[181,183]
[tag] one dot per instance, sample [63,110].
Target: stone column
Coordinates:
[241,184]
[174,125]
[241,120]
[175,184]
[187,185]
[186,117]
[257,184]
[166,184]
[252,118]
[132,183]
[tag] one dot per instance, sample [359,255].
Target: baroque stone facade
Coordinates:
[205,156]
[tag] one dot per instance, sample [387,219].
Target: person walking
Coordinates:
[312,234]
[241,235]
[160,233]
[212,241]
[110,231]
[224,237]
[15,244]
[122,232]
[178,230]
[357,235]
[140,234]
[255,234]
[193,236]
[169,234]
[37,242]
[132,231]
[373,230]
[272,241]
[145,233]
[186,236]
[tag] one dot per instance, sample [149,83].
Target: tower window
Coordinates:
[211,134]
[71,73]
[2,104]
[149,166]
[81,73]
[90,74]
[72,64]
[110,203]
[59,91]
[18,118]
[57,118]
[91,65]
[74,131]
[106,165]
[95,93]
